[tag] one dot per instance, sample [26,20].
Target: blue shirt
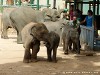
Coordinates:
[89,21]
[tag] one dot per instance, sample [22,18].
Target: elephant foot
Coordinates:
[4,37]
[49,60]
[70,48]
[60,44]
[19,42]
[34,60]
[55,61]
[78,52]
[66,53]
[26,61]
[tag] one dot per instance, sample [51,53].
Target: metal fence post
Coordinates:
[15,1]
[37,4]
[47,3]
[31,1]
[19,2]
[1,2]
[74,4]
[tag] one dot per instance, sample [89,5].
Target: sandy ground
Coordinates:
[11,57]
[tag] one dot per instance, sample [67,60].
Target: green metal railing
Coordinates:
[31,4]
[1,8]
[31,1]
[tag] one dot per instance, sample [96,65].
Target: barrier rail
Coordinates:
[87,35]
[31,4]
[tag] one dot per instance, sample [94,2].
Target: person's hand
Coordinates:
[74,18]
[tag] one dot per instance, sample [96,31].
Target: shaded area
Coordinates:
[78,65]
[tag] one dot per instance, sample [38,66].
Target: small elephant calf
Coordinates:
[52,45]
[70,35]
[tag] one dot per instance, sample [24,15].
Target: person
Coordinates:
[88,19]
[71,12]
[64,14]
[77,13]
[76,18]
[76,25]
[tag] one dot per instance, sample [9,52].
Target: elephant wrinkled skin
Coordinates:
[53,14]
[70,35]
[32,34]
[22,16]
[52,45]
[56,27]
[5,19]
[19,17]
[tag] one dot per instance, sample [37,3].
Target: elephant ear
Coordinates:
[47,12]
[33,30]
[38,30]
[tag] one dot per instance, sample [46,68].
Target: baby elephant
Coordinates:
[52,45]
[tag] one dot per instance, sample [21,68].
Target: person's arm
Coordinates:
[83,21]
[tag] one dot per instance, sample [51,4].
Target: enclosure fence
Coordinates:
[87,35]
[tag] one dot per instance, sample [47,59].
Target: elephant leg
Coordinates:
[54,54]
[19,38]
[78,46]
[74,47]
[27,55]
[35,50]
[49,55]
[60,40]
[66,50]
[63,45]
[4,33]
[27,46]
[66,47]
[70,45]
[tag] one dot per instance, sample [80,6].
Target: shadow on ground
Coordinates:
[78,65]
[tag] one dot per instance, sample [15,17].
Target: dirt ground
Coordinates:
[11,57]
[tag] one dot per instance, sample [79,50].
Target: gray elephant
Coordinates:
[56,26]
[21,16]
[52,44]
[32,34]
[53,14]
[70,35]
[6,22]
